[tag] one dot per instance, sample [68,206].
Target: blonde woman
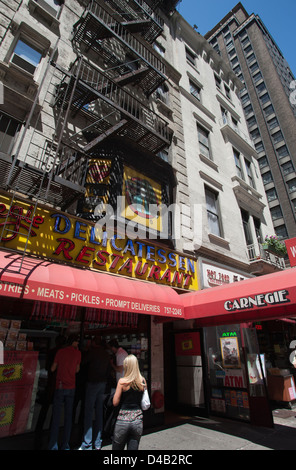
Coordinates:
[129,391]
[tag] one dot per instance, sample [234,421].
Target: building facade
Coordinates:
[127,179]
[246,44]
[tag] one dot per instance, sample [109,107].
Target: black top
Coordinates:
[131,399]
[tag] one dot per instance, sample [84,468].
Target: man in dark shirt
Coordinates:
[98,361]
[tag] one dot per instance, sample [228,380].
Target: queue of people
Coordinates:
[98,365]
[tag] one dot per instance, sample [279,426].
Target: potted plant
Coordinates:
[273,244]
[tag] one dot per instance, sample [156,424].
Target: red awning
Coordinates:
[261,298]
[43,280]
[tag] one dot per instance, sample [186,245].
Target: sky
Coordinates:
[279,18]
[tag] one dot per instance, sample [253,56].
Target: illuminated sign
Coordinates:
[59,236]
[142,197]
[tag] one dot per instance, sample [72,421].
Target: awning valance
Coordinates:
[260,298]
[37,279]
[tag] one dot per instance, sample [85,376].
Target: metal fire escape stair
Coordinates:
[98,30]
[84,85]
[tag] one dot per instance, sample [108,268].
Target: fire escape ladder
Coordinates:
[98,30]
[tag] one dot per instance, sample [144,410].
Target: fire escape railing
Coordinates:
[141,124]
[97,27]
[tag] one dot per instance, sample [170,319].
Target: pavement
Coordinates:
[196,433]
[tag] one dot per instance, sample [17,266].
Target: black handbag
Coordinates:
[110,415]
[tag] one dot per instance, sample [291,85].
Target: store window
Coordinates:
[31,332]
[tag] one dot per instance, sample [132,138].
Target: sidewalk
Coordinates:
[197,433]
[223,434]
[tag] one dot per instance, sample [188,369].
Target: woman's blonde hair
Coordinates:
[132,373]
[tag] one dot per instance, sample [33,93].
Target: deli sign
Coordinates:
[60,237]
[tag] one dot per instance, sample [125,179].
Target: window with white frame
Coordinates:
[213,214]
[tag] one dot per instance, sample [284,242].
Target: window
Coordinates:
[245,98]
[257,77]
[51,6]
[26,56]
[276,213]
[294,204]
[218,81]
[249,173]
[254,67]
[268,110]
[259,147]
[267,177]
[203,139]
[255,134]
[248,48]
[246,226]
[263,162]
[277,137]
[162,93]
[265,98]
[159,48]
[271,195]
[251,58]
[9,128]
[194,90]
[292,185]
[251,121]
[282,151]
[236,155]
[281,231]
[213,212]
[273,123]
[261,87]
[227,92]
[248,109]
[257,224]
[190,56]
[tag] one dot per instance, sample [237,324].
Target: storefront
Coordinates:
[72,280]
[239,379]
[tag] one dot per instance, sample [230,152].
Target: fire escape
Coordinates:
[107,88]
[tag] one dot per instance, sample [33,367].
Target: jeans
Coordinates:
[127,432]
[66,397]
[94,399]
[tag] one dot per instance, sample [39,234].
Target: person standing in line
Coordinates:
[120,355]
[98,362]
[129,392]
[67,364]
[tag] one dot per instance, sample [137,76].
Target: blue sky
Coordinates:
[278,16]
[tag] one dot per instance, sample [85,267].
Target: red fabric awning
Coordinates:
[260,298]
[43,280]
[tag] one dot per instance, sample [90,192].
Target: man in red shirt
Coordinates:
[67,364]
